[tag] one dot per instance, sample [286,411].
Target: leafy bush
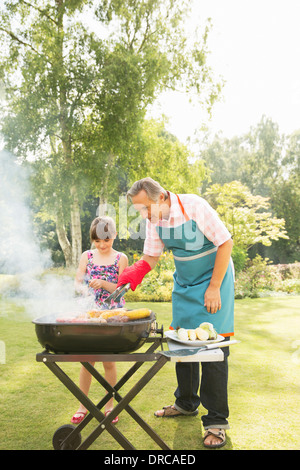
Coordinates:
[290,286]
[260,277]
[157,286]
[254,278]
[239,256]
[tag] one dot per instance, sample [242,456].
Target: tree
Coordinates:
[44,92]
[246,216]
[265,148]
[76,99]
[285,200]
[167,160]
[254,158]
[268,163]
[162,156]
[224,158]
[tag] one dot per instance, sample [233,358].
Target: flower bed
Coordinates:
[260,277]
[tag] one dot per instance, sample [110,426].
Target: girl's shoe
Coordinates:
[77,419]
[115,420]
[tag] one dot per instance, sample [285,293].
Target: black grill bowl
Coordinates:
[64,337]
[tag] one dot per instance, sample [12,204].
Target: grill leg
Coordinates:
[72,387]
[119,384]
[124,404]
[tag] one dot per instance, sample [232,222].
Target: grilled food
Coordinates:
[112,313]
[93,313]
[103,316]
[138,313]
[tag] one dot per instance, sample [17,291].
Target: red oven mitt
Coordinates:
[134,274]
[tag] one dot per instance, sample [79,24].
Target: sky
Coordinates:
[255,47]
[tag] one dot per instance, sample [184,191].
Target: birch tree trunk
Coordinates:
[62,237]
[75,227]
[103,208]
[66,139]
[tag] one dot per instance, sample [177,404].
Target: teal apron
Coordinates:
[194,257]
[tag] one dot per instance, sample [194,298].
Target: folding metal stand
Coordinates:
[68,437]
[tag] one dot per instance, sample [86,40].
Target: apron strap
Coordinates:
[182,209]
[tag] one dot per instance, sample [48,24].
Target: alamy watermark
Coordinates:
[130,222]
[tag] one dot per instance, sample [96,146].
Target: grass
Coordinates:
[264,385]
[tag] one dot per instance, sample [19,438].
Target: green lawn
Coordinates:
[264,385]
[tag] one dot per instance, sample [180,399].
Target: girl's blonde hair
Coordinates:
[102,228]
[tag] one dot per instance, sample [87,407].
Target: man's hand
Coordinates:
[212,299]
[212,296]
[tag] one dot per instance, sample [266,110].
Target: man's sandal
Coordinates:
[219,434]
[171,412]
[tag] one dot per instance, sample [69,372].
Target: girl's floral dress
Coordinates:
[108,273]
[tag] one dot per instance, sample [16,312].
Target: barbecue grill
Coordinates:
[96,342]
[68,437]
[85,343]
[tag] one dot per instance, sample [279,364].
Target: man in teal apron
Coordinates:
[203,292]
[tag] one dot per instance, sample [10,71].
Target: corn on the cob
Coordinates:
[94,313]
[131,314]
[138,313]
[112,313]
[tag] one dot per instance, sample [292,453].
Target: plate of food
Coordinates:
[204,334]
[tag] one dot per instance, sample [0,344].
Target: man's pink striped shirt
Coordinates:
[198,210]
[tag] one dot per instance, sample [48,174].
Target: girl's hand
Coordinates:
[96,283]
[81,289]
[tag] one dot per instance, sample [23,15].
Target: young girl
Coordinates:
[98,273]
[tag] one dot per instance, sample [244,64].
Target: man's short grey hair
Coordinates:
[152,188]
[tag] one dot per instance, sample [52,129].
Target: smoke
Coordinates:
[19,249]
[21,258]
